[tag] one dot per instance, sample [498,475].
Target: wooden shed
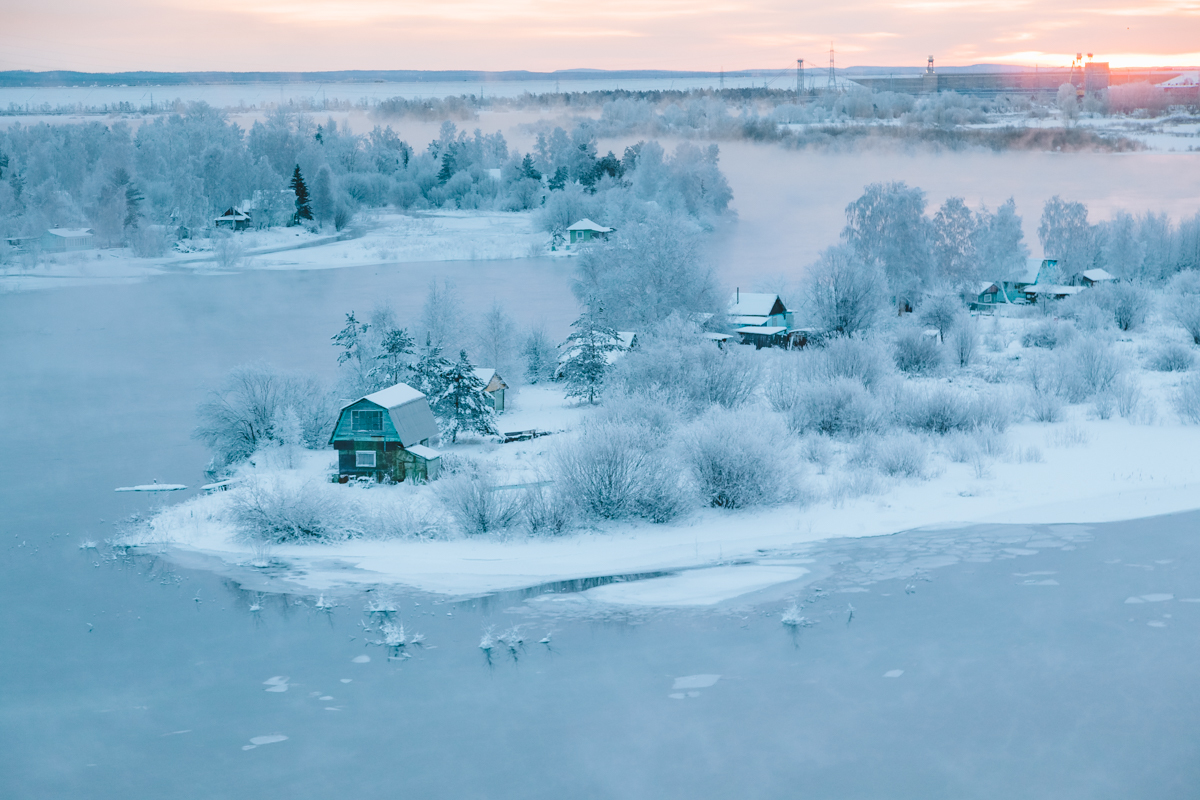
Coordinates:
[585,231]
[387,436]
[494,386]
[65,240]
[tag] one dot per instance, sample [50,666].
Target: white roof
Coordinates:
[234,217]
[70,233]
[753,304]
[717,337]
[588,225]
[394,396]
[1098,275]
[748,319]
[409,411]
[762,330]
[427,453]
[485,374]
[984,286]
[1033,267]
[1186,79]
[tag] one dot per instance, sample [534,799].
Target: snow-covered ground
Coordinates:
[1082,469]
[376,239]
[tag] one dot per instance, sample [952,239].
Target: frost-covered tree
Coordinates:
[844,294]
[391,363]
[588,350]
[440,314]
[287,434]
[540,356]
[886,226]
[324,196]
[496,344]
[942,312]
[1067,101]
[462,405]
[953,238]
[1066,236]
[647,271]
[428,373]
[351,340]
[1000,243]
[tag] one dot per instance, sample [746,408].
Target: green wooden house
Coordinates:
[494,387]
[387,436]
[585,231]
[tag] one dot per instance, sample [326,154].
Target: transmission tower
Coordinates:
[832,88]
[799,77]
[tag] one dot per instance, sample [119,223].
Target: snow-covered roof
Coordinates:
[748,319]
[755,304]
[762,330]
[984,286]
[427,453]
[1186,79]
[485,374]
[1029,274]
[239,217]
[1098,274]
[70,233]
[716,337]
[588,225]
[409,411]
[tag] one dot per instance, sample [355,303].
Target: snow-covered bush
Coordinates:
[282,511]
[738,460]
[1127,304]
[399,514]
[546,512]
[1186,311]
[610,472]
[1187,398]
[937,409]
[904,455]
[1172,357]
[1045,406]
[1049,333]
[840,407]
[917,354]
[1088,367]
[851,357]
[965,342]
[653,411]
[476,505]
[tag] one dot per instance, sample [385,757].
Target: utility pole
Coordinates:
[832,88]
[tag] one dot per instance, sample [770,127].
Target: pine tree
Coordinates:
[429,373]
[463,404]
[349,339]
[528,170]
[390,364]
[297,185]
[449,166]
[559,179]
[588,348]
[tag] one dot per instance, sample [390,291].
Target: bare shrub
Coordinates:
[818,451]
[476,505]
[1127,393]
[1048,334]
[841,407]
[1185,309]
[917,354]
[738,460]
[610,473]
[655,412]
[903,455]
[401,516]
[546,512]
[790,373]
[239,417]
[228,252]
[847,357]
[1172,357]
[1045,407]
[148,241]
[961,448]
[938,410]
[1187,399]
[965,342]
[1089,367]
[280,511]
[1127,304]
[941,311]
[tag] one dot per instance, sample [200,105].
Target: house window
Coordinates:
[366,420]
[364,458]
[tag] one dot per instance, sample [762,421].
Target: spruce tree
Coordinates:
[390,364]
[449,166]
[349,339]
[588,348]
[297,185]
[558,180]
[463,404]
[429,373]
[528,170]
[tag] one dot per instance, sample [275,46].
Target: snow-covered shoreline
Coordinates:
[1091,471]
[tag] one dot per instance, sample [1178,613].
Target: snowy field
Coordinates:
[1095,464]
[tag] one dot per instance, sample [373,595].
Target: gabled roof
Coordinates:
[1051,288]
[490,378]
[588,225]
[409,411]
[70,233]
[1186,79]
[755,304]
[1029,273]
[984,286]
[762,330]
[1096,275]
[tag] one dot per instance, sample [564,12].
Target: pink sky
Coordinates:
[543,35]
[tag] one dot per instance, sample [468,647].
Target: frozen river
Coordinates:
[1042,662]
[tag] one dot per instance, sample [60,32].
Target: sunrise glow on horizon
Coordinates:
[546,35]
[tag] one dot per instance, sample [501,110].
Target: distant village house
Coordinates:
[233,220]
[585,231]
[387,436]
[65,240]
[494,387]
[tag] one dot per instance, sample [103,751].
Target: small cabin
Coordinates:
[989,293]
[66,240]
[387,436]
[1092,277]
[585,231]
[233,220]
[753,309]
[763,335]
[494,387]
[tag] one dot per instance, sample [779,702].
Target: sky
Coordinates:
[545,35]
